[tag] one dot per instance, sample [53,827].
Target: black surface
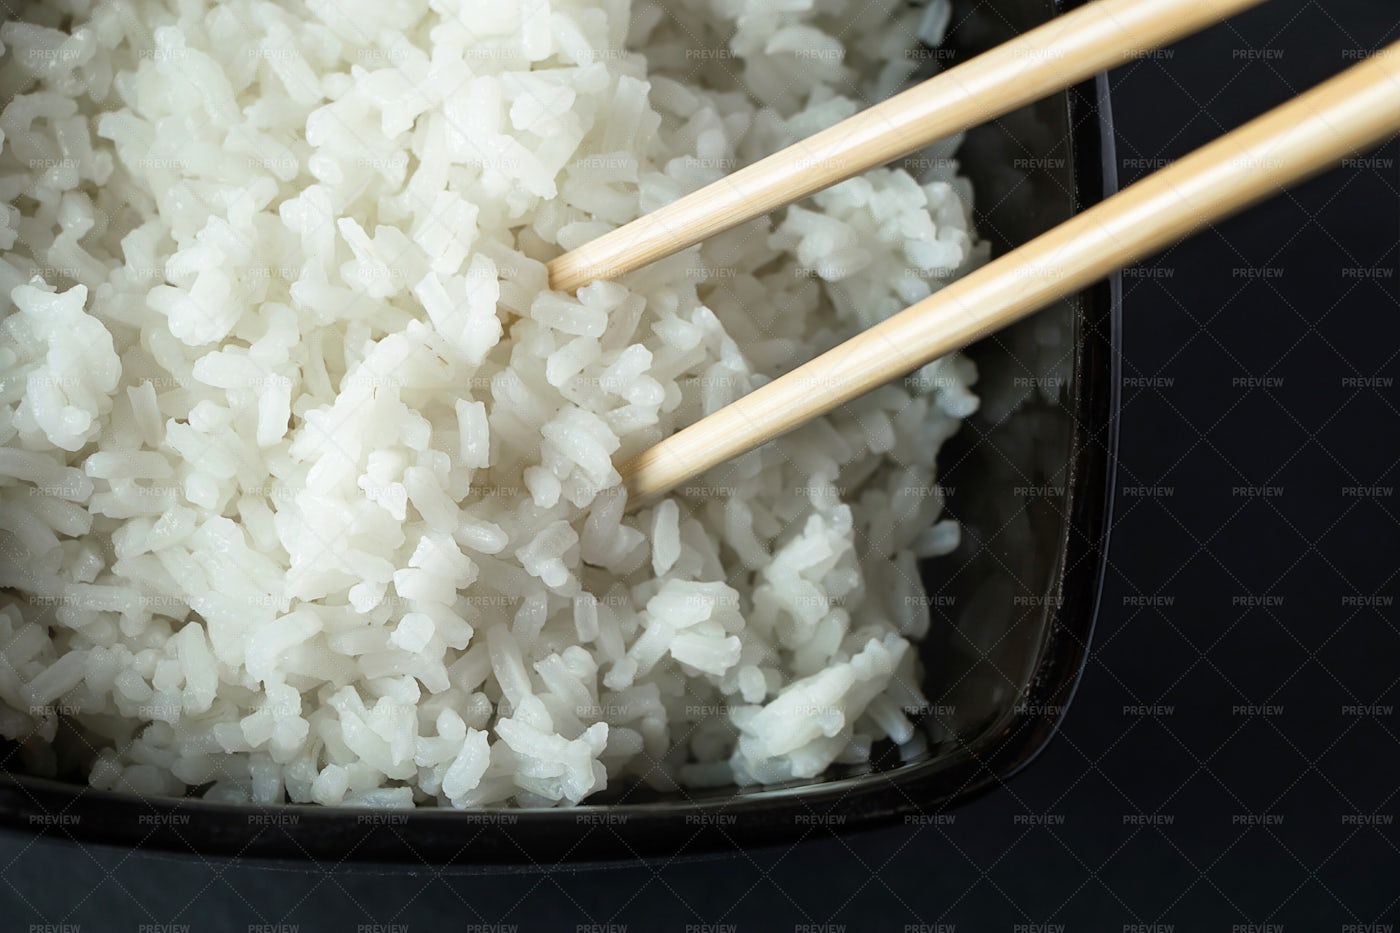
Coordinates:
[1215,772]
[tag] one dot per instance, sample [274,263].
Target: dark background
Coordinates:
[1232,759]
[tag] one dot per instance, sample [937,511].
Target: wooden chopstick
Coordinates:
[1352,111]
[1066,50]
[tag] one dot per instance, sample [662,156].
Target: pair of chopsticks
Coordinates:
[1350,112]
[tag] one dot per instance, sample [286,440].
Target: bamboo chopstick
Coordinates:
[1051,57]
[1359,107]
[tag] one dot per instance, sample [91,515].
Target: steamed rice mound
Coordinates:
[306,485]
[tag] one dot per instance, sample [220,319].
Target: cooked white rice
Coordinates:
[306,485]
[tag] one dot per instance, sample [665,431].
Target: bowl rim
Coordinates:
[474,840]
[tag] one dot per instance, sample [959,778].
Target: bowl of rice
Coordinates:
[311,542]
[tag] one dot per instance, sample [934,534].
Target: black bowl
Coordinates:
[1030,478]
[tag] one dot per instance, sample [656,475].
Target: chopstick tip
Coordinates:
[571,271]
